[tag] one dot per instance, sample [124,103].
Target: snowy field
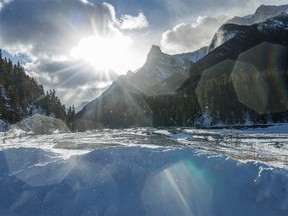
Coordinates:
[145,171]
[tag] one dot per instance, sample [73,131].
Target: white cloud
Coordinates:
[184,8]
[3,3]
[129,22]
[189,37]
[110,10]
[84,1]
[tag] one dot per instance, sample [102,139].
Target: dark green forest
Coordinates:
[22,96]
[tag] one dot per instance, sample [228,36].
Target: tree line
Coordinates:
[21,96]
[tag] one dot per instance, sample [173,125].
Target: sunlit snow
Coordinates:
[145,171]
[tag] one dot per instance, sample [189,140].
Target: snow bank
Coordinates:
[39,124]
[138,181]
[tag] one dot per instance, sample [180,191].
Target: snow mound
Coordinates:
[138,181]
[39,124]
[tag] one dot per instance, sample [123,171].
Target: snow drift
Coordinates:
[138,181]
[39,124]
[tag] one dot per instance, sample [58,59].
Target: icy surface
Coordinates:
[145,171]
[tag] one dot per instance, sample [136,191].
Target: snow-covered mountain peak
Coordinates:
[154,54]
[261,15]
[267,11]
[155,50]
[160,66]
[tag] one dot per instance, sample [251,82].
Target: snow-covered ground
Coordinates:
[145,171]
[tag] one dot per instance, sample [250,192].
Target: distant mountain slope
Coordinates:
[117,107]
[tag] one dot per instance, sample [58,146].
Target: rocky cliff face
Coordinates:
[153,78]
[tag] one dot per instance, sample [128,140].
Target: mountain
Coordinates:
[151,78]
[81,106]
[263,13]
[243,79]
[124,104]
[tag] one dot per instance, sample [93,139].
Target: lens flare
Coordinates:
[183,187]
[103,53]
[250,86]
[259,78]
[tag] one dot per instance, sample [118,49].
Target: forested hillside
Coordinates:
[21,96]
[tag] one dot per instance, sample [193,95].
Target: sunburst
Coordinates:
[109,53]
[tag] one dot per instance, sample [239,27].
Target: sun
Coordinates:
[110,53]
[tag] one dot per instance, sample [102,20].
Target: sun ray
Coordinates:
[107,53]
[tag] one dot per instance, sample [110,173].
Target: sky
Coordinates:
[78,46]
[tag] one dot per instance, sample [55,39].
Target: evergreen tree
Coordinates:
[21,94]
[71,118]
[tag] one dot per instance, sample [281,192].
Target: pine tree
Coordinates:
[71,118]
[21,94]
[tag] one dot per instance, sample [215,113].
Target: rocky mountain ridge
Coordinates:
[159,66]
[211,89]
[262,14]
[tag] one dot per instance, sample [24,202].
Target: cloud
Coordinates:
[129,22]
[3,3]
[47,31]
[82,93]
[181,8]
[48,28]
[189,37]
[74,80]
[72,73]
